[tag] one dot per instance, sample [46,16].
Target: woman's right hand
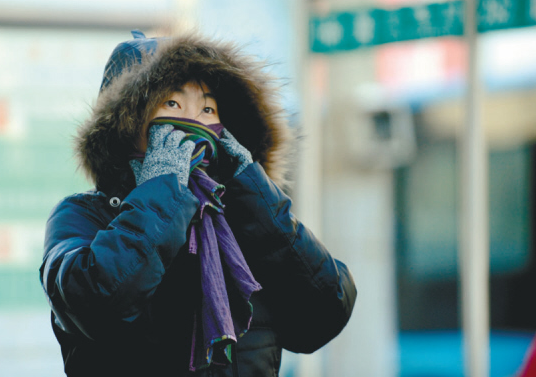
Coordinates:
[164,155]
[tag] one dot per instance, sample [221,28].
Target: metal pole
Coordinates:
[309,173]
[308,188]
[474,231]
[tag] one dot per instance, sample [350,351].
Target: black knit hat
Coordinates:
[127,54]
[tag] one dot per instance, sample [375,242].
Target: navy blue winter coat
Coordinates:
[122,285]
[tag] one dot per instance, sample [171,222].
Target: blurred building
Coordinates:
[391,118]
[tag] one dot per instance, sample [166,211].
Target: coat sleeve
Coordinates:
[98,276]
[310,294]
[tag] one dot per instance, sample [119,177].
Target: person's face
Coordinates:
[193,101]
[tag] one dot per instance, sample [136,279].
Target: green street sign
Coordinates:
[343,31]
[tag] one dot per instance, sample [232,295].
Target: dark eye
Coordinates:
[172,104]
[209,110]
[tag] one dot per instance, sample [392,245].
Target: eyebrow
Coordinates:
[209,95]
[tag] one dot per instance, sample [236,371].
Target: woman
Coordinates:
[185,259]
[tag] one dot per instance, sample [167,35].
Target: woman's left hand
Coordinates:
[236,151]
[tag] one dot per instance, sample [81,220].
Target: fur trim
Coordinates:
[247,97]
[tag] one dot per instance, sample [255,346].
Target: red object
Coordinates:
[4,115]
[5,245]
[529,364]
[414,65]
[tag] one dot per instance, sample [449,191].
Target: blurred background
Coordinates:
[377,89]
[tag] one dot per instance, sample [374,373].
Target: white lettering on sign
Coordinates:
[451,14]
[496,12]
[364,26]
[330,32]
[393,23]
[423,17]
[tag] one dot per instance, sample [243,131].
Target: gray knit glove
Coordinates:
[236,151]
[164,155]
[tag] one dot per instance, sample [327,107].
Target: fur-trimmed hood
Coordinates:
[248,105]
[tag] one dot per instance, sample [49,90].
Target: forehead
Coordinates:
[195,88]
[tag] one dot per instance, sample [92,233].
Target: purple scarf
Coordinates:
[226,281]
